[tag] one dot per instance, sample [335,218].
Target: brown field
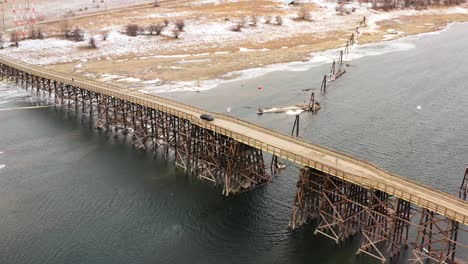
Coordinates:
[212,65]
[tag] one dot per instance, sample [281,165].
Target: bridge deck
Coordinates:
[300,152]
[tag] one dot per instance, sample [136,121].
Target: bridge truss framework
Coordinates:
[342,209]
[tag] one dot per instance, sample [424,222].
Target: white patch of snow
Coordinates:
[152,81]
[201,54]
[193,61]
[168,15]
[129,80]
[245,50]
[110,77]
[171,56]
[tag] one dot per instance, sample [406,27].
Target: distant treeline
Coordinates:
[418,4]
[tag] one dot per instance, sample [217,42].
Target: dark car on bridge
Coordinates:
[207,117]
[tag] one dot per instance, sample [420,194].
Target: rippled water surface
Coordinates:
[70,194]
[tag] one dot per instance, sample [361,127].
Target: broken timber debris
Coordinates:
[299,107]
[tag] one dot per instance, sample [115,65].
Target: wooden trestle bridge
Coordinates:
[342,194]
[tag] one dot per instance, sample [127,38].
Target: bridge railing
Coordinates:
[192,113]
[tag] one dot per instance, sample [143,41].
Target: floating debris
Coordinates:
[299,107]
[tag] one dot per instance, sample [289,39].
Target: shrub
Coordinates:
[92,43]
[159,29]
[303,13]
[14,38]
[267,19]
[176,33]
[151,29]
[33,34]
[104,35]
[242,21]
[340,9]
[155,29]
[166,22]
[132,30]
[40,34]
[279,20]
[237,27]
[77,34]
[65,28]
[36,34]
[156,3]
[180,24]
[254,20]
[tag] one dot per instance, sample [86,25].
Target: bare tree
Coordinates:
[303,13]
[33,34]
[36,34]
[40,34]
[267,19]
[180,24]
[242,21]
[2,41]
[340,9]
[65,28]
[155,29]
[279,20]
[104,35]
[14,38]
[176,33]
[237,27]
[151,29]
[92,43]
[132,30]
[77,34]
[254,20]
[158,29]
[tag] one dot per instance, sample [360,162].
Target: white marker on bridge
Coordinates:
[419,107]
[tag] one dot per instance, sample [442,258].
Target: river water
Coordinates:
[71,194]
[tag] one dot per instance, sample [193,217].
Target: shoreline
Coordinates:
[316,59]
[209,54]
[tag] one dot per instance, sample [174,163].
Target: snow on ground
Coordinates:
[210,34]
[55,9]
[212,2]
[376,16]
[200,32]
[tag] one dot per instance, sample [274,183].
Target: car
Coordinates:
[207,117]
